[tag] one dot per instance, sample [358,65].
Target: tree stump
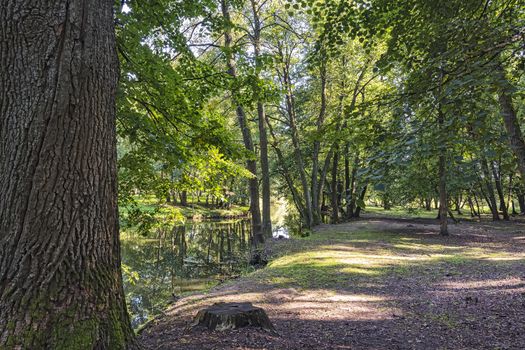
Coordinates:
[222,316]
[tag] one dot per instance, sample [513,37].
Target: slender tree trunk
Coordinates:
[361,198]
[184,198]
[263,137]
[521,202]
[477,205]
[322,179]
[428,204]
[251,164]
[60,277]
[442,167]
[317,147]
[350,210]
[491,198]
[334,194]
[347,178]
[290,107]
[499,189]
[286,172]
[509,194]
[471,205]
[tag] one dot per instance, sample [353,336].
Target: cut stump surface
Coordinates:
[222,316]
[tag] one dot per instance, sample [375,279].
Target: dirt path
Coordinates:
[374,284]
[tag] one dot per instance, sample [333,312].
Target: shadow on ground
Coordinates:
[373,284]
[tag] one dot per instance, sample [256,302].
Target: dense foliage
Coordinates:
[415,103]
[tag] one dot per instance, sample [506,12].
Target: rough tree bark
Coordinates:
[60,279]
[251,164]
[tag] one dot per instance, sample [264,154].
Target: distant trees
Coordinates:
[334,101]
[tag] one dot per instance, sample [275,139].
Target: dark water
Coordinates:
[189,257]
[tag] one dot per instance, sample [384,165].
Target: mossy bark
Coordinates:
[60,280]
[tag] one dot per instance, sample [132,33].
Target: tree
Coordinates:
[60,278]
[261,115]
[251,163]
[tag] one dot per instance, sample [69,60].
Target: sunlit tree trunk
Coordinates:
[317,147]
[261,118]
[251,164]
[292,119]
[60,278]
[286,172]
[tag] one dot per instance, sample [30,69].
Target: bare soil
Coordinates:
[402,287]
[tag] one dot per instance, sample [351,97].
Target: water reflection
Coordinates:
[189,257]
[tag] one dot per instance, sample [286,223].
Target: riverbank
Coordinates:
[375,283]
[192,211]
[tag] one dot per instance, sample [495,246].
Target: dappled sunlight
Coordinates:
[324,304]
[360,271]
[368,281]
[357,297]
[520,257]
[508,284]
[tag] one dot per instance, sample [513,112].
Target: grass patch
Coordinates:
[337,260]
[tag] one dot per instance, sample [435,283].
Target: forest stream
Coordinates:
[192,257]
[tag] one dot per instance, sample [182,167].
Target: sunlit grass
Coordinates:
[335,259]
[401,212]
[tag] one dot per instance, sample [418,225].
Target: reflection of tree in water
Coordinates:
[186,258]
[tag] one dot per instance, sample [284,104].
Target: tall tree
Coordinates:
[60,279]
[261,118]
[251,163]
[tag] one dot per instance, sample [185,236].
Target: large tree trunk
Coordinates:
[60,279]
[251,164]
[508,113]
[263,137]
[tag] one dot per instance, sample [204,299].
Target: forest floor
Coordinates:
[377,283]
